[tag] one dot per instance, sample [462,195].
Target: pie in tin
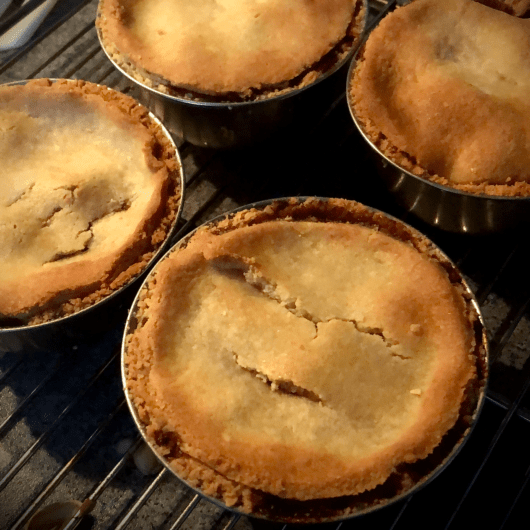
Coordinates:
[302,352]
[228,49]
[90,191]
[441,88]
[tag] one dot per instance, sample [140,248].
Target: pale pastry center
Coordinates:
[304,369]
[64,178]
[222,42]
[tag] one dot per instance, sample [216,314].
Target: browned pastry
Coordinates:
[89,192]
[227,46]
[304,359]
[443,87]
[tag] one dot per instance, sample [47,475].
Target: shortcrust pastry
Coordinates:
[89,191]
[228,48]
[299,352]
[442,89]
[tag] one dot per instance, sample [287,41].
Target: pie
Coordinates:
[90,191]
[228,49]
[441,88]
[302,352]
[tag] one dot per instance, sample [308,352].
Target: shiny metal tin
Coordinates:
[227,125]
[410,478]
[91,321]
[442,206]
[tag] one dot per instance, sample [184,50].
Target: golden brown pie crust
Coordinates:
[442,89]
[300,352]
[228,47]
[90,192]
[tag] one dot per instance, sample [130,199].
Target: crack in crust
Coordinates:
[64,255]
[242,269]
[46,221]
[68,203]
[282,386]
[21,195]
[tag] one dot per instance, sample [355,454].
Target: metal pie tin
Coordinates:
[207,123]
[88,323]
[407,478]
[441,206]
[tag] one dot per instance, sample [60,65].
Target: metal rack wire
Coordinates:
[64,430]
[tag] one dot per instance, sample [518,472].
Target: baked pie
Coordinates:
[301,352]
[90,190]
[229,49]
[442,88]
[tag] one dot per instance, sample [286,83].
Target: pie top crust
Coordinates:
[443,87]
[223,46]
[89,192]
[303,359]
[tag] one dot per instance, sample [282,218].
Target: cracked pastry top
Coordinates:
[227,46]
[302,359]
[442,89]
[89,191]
